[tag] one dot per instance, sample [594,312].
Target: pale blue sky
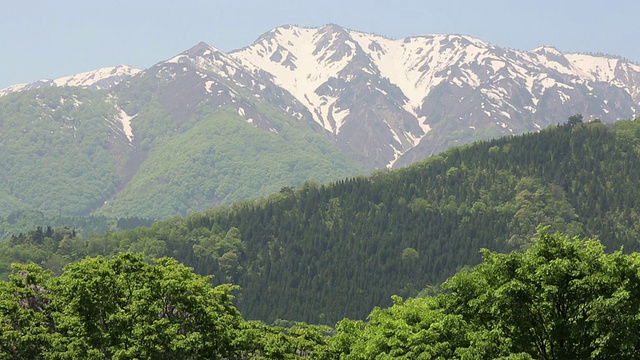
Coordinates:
[49,39]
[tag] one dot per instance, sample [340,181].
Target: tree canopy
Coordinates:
[116,308]
[563,298]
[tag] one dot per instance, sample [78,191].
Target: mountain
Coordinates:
[319,253]
[103,78]
[212,133]
[391,102]
[184,135]
[205,127]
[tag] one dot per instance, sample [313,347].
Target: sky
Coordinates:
[48,39]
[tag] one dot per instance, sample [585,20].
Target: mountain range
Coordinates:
[207,127]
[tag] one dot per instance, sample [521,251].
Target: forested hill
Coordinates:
[323,252]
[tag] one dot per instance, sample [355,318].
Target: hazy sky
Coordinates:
[49,39]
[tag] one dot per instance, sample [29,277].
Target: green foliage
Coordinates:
[57,149]
[24,323]
[25,221]
[575,120]
[117,308]
[63,153]
[415,329]
[564,298]
[223,159]
[260,341]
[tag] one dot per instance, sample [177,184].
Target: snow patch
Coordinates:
[505,114]
[176,59]
[208,85]
[338,117]
[497,64]
[76,102]
[594,68]
[395,134]
[396,155]
[382,91]
[84,80]
[301,68]
[125,120]
[563,97]
[91,78]
[12,89]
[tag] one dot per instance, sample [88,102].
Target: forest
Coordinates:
[562,298]
[319,253]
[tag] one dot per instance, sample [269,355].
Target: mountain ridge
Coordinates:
[101,78]
[339,100]
[417,76]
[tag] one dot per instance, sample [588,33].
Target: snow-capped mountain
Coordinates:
[383,102]
[104,78]
[188,133]
[392,102]
[206,127]
[206,74]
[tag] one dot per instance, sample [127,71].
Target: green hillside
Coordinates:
[323,252]
[220,158]
[57,151]
[64,152]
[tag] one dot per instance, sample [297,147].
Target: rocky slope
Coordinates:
[389,102]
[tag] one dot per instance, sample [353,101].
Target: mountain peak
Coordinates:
[204,56]
[201,48]
[331,28]
[546,50]
[386,100]
[326,68]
